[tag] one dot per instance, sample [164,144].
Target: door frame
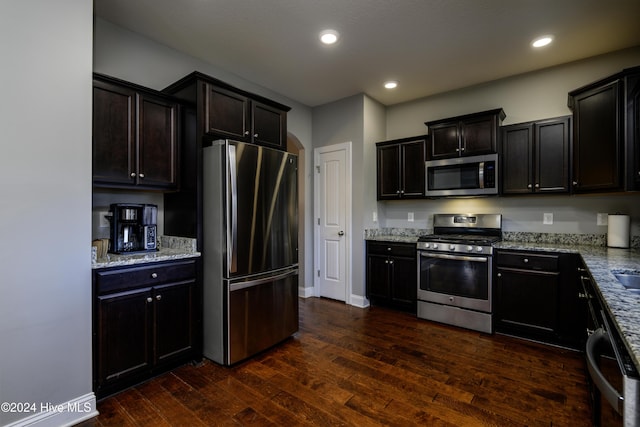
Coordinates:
[346,146]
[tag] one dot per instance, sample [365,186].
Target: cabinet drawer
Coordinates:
[393,249]
[117,279]
[528,261]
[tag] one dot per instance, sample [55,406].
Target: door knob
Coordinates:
[340,233]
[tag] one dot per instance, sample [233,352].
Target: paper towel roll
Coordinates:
[618,232]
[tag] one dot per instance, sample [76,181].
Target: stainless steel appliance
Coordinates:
[133,227]
[250,249]
[613,378]
[462,176]
[455,270]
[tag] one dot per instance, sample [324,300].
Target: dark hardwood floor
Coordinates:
[349,366]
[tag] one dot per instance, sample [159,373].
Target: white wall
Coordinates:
[132,57]
[527,97]
[45,170]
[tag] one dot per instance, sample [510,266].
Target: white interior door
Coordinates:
[333,196]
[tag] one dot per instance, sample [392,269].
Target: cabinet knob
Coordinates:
[462,149]
[133,174]
[389,248]
[149,299]
[141,175]
[158,297]
[246,133]
[391,262]
[526,260]
[397,191]
[457,149]
[255,135]
[537,185]
[386,261]
[154,275]
[575,183]
[499,274]
[401,191]
[529,186]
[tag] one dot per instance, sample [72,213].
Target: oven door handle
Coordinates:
[600,336]
[455,257]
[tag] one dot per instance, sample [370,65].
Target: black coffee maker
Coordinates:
[133,228]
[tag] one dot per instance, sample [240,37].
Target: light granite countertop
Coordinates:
[171,248]
[622,305]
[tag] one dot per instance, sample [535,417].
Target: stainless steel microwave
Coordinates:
[462,176]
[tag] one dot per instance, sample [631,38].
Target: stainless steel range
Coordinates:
[455,270]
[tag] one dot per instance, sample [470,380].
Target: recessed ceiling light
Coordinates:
[329,36]
[391,84]
[542,41]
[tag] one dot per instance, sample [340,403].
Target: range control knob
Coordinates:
[479,249]
[435,246]
[427,245]
[452,247]
[469,248]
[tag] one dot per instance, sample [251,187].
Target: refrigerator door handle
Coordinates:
[232,231]
[248,284]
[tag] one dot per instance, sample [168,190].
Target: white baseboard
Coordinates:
[358,301]
[306,292]
[61,415]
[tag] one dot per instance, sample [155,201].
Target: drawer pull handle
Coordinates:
[158,297]
[149,299]
[154,275]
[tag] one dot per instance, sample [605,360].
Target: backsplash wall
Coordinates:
[571,214]
[102,199]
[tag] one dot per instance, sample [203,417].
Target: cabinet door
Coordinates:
[633,130]
[517,159]
[552,156]
[269,125]
[388,173]
[445,140]
[174,321]
[378,276]
[404,281]
[597,151]
[226,113]
[412,167]
[527,302]
[478,136]
[157,142]
[124,335]
[113,134]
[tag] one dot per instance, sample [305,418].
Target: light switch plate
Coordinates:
[547,218]
[410,216]
[104,222]
[602,219]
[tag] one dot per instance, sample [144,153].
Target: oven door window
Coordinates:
[461,276]
[453,177]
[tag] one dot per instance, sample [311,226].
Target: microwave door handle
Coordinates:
[481,175]
[608,391]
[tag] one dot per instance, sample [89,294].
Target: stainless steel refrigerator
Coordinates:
[250,249]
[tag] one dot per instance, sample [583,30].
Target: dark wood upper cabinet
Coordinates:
[135,143]
[228,112]
[632,131]
[400,168]
[467,135]
[598,154]
[535,157]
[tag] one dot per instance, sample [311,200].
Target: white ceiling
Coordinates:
[429,46]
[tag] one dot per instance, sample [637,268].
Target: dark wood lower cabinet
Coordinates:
[392,275]
[145,322]
[537,297]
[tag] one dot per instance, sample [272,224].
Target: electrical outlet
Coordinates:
[375,216]
[410,216]
[104,222]
[602,219]
[547,218]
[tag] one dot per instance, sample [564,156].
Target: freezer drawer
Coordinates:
[261,313]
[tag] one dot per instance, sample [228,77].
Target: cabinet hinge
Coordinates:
[318,221]
[318,169]
[318,273]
